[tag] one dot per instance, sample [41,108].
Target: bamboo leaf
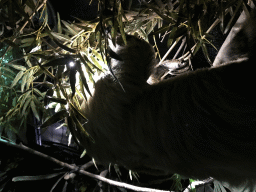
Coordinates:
[26,105]
[57,100]
[28,40]
[97,55]
[69,27]
[7,70]
[96,63]
[82,88]
[38,92]
[76,112]
[55,118]
[30,78]
[60,37]
[206,54]
[86,28]
[59,24]
[72,79]
[24,96]
[37,177]
[80,128]
[23,82]
[11,112]
[34,110]
[19,67]
[71,126]
[85,60]
[64,46]
[17,78]
[27,61]
[79,68]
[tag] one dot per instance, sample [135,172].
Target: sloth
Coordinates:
[199,124]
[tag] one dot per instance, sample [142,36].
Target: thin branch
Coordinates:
[168,52]
[75,168]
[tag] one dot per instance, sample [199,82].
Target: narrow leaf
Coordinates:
[19,67]
[17,78]
[26,105]
[57,100]
[60,36]
[79,68]
[69,27]
[34,110]
[23,82]
[7,70]
[55,118]
[37,177]
[38,92]
[206,54]
[72,79]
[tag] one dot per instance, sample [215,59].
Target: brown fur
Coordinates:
[199,124]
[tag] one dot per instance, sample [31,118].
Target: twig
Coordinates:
[75,168]
[171,48]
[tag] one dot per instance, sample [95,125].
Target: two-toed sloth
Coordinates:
[198,124]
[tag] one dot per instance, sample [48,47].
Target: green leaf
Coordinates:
[24,96]
[7,70]
[206,54]
[26,105]
[64,46]
[69,27]
[38,92]
[80,128]
[27,61]
[30,79]
[77,113]
[34,110]
[85,60]
[97,55]
[96,63]
[37,177]
[82,88]
[55,118]
[23,82]
[79,68]
[84,27]
[72,79]
[17,78]
[19,67]
[57,100]
[59,24]
[60,37]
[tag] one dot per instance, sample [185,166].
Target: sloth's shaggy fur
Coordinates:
[199,124]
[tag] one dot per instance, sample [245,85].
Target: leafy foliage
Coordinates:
[59,64]
[45,77]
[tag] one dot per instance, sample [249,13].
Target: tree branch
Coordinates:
[75,168]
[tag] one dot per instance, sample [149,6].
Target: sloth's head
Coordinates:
[136,57]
